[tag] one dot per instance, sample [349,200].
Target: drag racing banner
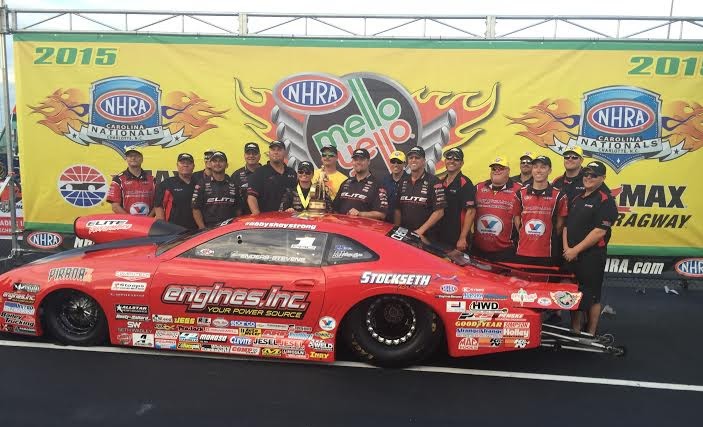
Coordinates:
[636,106]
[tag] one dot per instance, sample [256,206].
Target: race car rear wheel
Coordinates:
[393,331]
[74,318]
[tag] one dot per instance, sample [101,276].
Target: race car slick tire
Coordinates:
[74,318]
[392,331]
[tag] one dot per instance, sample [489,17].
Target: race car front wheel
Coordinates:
[74,318]
[392,331]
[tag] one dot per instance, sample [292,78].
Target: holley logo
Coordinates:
[362,110]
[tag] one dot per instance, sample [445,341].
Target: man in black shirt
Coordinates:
[391,182]
[298,199]
[240,177]
[216,198]
[268,184]
[361,195]
[207,171]
[460,193]
[420,199]
[585,239]
[172,200]
[525,176]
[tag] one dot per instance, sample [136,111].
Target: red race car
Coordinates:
[277,285]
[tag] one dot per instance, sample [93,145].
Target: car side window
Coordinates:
[343,250]
[264,246]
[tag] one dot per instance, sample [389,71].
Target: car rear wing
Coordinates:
[103,228]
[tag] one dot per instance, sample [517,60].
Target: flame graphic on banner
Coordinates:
[547,120]
[685,124]
[465,114]
[189,112]
[62,109]
[260,110]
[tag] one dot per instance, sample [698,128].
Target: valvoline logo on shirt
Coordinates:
[535,227]
[490,224]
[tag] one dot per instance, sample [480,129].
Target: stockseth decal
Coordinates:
[219,299]
[72,274]
[372,278]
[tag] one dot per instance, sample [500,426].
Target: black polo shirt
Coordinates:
[363,195]
[217,200]
[516,178]
[240,177]
[586,213]
[460,195]
[572,187]
[269,186]
[291,199]
[417,200]
[175,196]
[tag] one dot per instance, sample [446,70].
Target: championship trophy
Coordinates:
[317,201]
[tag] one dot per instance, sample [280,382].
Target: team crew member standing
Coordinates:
[132,191]
[391,182]
[207,172]
[525,176]
[586,236]
[216,198]
[240,177]
[420,200]
[333,177]
[539,215]
[268,184]
[361,195]
[461,202]
[173,198]
[495,198]
[298,200]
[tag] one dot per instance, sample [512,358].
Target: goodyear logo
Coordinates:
[312,93]
[44,240]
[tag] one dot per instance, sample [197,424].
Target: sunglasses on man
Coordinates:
[572,157]
[525,162]
[396,162]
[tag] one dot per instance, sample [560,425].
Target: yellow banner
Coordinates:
[636,106]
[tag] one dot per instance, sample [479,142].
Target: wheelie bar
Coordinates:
[562,338]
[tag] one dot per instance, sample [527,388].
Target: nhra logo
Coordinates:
[618,125]
[690,267]
[82,186]
[126,106]
[44,240]
[311,93]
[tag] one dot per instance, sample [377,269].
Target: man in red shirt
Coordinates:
[539,214]
[132,191]
[495,198]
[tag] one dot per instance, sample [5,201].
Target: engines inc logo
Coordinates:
[618,125]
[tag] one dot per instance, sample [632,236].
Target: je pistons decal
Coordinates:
[617,124]
[362,110]
[219,299]
[126,111]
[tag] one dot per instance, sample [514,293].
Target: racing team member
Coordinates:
[207,171]
[268,184]
[525,176]
[391,181]
[585,238]
[132,191]
[298,199]
[420,199]
[539,215]
[172,201]
[460,193]
[240,177]
[215,199]
[495,198]
[333,177]
[362,194]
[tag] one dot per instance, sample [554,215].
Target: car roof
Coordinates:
[313,221]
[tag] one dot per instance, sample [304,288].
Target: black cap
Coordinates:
[277,143]
[209,152]
[416,151]
[331,148]
[251,146]
[455,153]
[542,159]
[361,152]
[185,157]
[218,154]
[595,167]
[305,165]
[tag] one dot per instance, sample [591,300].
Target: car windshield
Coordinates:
[177,240]
[437,249]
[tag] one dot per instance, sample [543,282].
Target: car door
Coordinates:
[253,285]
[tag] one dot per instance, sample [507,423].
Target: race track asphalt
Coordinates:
[55,387]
